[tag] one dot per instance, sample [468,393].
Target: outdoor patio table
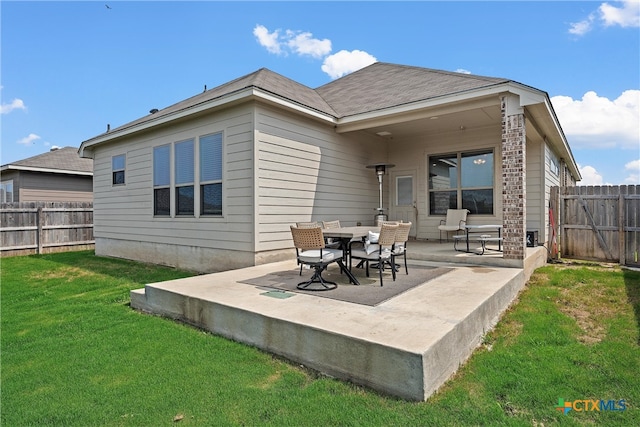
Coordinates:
[475,229]
[346,234]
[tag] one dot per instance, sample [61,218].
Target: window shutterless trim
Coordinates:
[118,168]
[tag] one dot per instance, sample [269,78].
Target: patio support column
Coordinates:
[514,205]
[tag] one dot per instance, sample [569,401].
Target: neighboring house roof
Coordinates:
[62,160]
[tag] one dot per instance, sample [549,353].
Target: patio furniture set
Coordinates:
[320,244]
[456,220]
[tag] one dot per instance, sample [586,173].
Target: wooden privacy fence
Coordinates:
[43,227]
[600,223]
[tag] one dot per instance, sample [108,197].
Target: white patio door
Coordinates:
[403,198]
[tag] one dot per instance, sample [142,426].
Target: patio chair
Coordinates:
[313,224]
[311,250]
[380,252]
[331,224]
[330,242]
[400,246]
[456,220]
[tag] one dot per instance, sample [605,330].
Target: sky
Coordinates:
[68,69]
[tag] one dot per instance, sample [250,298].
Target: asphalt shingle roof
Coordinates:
[378,86]
[383,85]
[64,159]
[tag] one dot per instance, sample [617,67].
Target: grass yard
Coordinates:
[73,353]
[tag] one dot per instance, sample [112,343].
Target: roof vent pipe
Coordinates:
[153,110]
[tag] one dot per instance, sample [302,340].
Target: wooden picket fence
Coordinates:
[600,223]
[45,227]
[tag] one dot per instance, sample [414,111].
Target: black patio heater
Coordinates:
[381,169]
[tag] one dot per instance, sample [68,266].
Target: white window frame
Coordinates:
[398,178]
[162,186]
[202,181]
[197,181]
[184,184]
[3,191]
[115,169]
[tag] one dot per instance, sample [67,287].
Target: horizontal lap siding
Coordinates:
[126,212]
[50,187]
[307,172]
[535,187]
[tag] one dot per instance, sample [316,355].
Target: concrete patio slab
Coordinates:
[407,346]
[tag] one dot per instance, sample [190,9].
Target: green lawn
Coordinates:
[73,353]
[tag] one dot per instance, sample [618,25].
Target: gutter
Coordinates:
[48,170]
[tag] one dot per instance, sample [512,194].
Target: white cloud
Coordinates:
[463,71]
[29,139]
[597,122]
[16,104]
[345,62]
[305,44]
[590,176]
[297,42]
[634,169]
[582,27]
[267,39]
[628,15]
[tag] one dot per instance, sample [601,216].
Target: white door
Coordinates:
[403,198]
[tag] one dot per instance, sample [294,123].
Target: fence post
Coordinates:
[621,224]
[39,237]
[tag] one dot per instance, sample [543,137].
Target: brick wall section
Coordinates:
[513,184]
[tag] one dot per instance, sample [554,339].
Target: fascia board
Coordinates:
[48,170]
[230,99]
[565,144]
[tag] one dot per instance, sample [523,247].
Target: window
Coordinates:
[179,186]
[117,169]
[184,174]
[211,174]
[461,181]
[554,166]
[162,180]
[404,191]
[6,191]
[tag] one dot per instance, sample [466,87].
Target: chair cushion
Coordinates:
[362,254]
[398,249]
[313,255]
[371,247]
[373,237]
[449,227]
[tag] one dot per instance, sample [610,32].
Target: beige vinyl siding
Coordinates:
[12,175]
[413,154]
[535,187]
[308,172]
[51,187]
[550,179]
[125,212]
